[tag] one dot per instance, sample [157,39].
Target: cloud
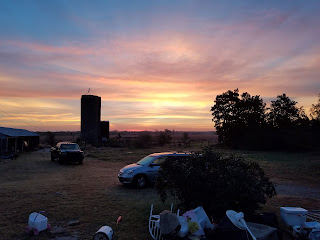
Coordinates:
[161,66]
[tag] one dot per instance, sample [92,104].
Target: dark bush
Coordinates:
[144,140]
[185,138]
[164,137]
[51,138]
[217,183]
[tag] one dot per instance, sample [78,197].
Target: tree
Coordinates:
[289,125]
[224,114]
[315,110]
[185,138]
[284,113]
[315,123]
[251,111]
[50,139]
[233,116]
[144,140]
[164,137]
[217,183]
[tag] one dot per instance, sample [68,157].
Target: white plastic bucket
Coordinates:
[37,221]
[104,233]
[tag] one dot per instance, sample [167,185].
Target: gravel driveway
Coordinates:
[296,190]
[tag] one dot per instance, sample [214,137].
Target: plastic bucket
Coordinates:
[38,221]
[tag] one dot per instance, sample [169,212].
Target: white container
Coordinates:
[184,230]
[104,233]
[38,222]
[293,216]
[203,218]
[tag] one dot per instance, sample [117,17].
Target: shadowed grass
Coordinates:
[92,194]
[288,167]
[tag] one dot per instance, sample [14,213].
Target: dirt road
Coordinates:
[296,190]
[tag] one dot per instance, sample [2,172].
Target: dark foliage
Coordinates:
[185,138]
[164,137]
[234,116]
[245,123]
[216,183]
[284,113]
[144,140]
[51,138]
[315,111]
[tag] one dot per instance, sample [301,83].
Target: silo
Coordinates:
[105,130]
[90,118]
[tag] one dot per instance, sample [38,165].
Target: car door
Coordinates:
[153,168]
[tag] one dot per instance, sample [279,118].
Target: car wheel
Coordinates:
[52,157]
[141,181]
[80,162]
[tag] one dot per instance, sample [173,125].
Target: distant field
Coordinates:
[92,194]
[195,137]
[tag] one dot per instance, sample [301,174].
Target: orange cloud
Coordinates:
[160,79]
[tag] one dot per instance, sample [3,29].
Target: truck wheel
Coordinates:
[140,181]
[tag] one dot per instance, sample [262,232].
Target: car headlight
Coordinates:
[128,172]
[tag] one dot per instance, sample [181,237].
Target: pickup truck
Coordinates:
[67,152]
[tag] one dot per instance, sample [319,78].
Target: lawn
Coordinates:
[285,167]
[91,194]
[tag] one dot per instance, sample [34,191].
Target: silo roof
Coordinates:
[14,132]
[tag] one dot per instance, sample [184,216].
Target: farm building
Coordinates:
[14,140]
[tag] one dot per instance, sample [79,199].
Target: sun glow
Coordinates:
[157,68]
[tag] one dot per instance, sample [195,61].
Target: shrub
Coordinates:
[216,183]
[164,137]
[185,138]
[144,140]
[51,138]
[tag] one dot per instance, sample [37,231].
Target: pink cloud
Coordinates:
[258,54]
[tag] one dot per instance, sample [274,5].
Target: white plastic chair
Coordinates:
[154,224]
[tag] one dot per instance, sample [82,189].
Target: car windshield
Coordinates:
[146,160]
[69,146]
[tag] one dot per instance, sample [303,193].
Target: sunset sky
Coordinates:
[155,64]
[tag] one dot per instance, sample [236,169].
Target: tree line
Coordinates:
[245,122]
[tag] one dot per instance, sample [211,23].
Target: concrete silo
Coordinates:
[105,130]
[90,118]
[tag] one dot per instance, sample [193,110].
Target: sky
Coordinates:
[156,64]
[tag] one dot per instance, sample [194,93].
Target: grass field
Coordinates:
[286,167]
[91,194]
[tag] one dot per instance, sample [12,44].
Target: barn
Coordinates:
[14,140]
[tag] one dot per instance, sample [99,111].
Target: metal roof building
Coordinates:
[14,140]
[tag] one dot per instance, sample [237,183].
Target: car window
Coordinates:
[69,146]
[159,160]
[145,161]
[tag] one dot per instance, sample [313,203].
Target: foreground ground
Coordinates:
[91,195]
